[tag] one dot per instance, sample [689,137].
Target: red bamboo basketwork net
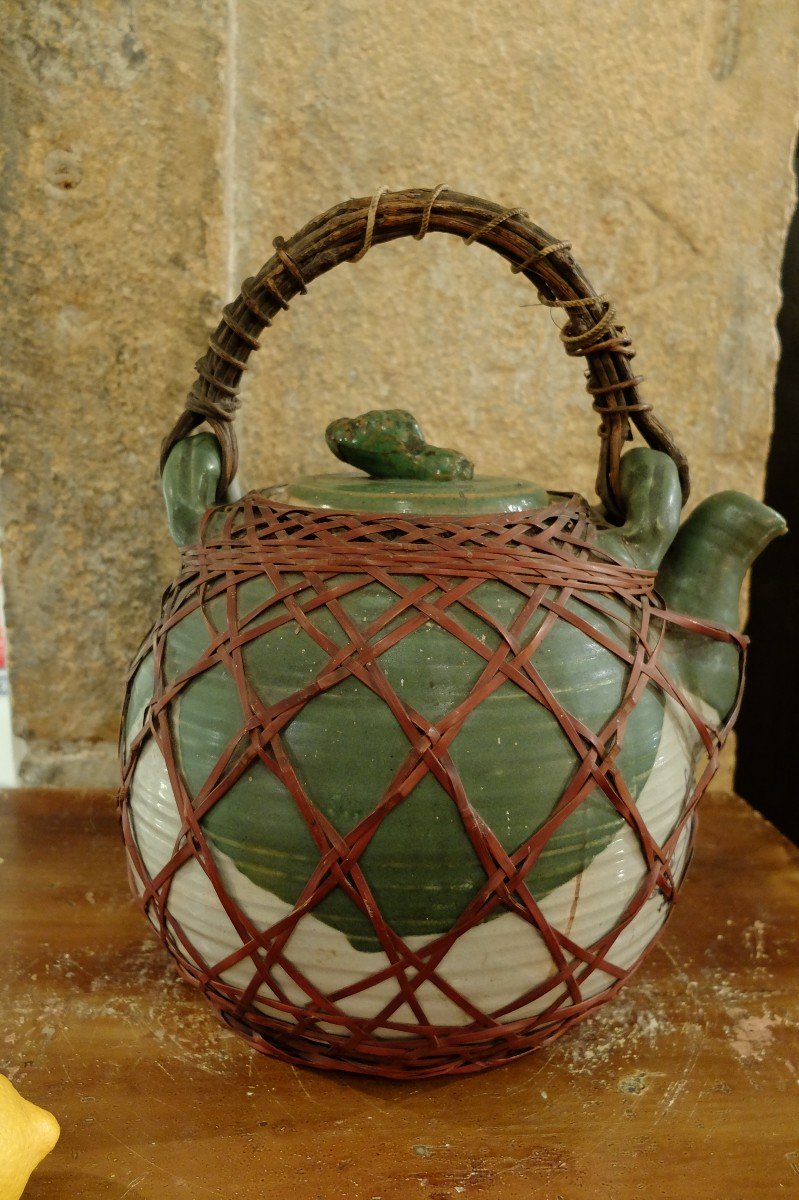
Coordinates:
[546,556]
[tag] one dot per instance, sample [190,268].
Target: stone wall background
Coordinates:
[152,152]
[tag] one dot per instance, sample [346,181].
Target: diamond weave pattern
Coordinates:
[314,560]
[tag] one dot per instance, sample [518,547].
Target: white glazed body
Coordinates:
[493,965]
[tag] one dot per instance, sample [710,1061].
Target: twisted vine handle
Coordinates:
[346,232]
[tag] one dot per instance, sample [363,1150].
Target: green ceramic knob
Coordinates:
[388,443]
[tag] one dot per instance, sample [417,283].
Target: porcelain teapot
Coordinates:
[411,757]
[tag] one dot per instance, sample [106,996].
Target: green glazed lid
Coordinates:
[358,493]
[405,474]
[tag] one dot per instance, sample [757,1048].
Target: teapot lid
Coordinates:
[404,474]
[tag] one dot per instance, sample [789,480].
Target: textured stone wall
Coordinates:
[152,153]
[114,244]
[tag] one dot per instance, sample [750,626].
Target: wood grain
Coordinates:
[688,1085]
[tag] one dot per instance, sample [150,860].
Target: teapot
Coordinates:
[411,757]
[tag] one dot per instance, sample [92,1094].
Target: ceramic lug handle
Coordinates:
[346,232]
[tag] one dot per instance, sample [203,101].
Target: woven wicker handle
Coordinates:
[346,232]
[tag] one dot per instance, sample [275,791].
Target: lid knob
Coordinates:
[388,443]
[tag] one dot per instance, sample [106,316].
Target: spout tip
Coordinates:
[751,524]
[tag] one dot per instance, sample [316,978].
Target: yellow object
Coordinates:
[27,1134]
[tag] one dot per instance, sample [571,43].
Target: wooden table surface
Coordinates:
[685,1086]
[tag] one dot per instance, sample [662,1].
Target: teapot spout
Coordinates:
[702,575]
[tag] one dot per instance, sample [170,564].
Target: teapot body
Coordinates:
[403,793]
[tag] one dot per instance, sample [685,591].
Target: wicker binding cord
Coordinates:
[345,233]
[431,567]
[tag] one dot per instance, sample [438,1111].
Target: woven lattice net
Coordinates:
[265,568]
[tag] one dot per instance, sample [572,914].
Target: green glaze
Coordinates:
[359,493]
[190,484]
[652,499]
[346,747]
[389,443]
[139,696]
[511,755]
[702,575]
[701,566]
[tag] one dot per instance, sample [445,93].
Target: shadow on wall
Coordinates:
[8,773]
[767,736]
